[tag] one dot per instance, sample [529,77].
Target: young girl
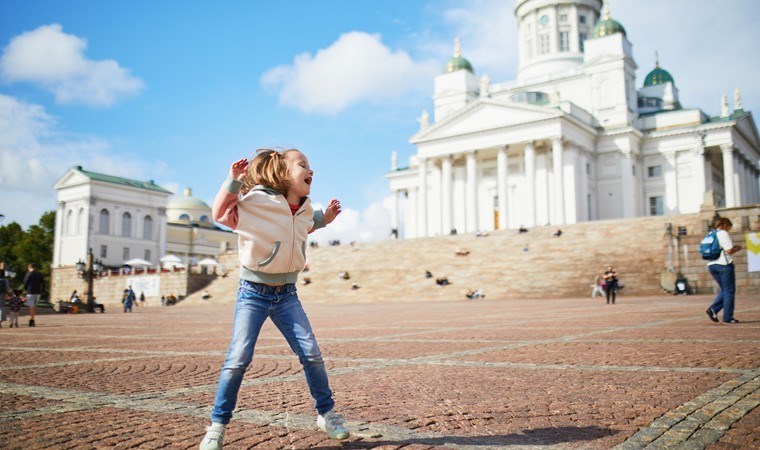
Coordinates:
[266,201]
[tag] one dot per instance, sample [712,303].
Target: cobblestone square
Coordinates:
[650,372]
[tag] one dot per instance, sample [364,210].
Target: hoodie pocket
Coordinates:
[271,255]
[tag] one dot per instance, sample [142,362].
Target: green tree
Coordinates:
[18,248]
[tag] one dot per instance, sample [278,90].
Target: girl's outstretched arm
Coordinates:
[332,211]
[224,209]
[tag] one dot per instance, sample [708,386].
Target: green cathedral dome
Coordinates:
[458,62]
[607,26]
[658,76]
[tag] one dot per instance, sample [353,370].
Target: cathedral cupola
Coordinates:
[458,62]
[658,75]
[607,25]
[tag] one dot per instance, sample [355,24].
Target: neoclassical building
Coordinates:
[121,219]
[572,139]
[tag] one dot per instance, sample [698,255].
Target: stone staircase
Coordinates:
[497,264]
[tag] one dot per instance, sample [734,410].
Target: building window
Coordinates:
[184,217]
[126,225]
[126,254]
[204,219]
[544,43]
[69,222]
[563,18]
[654,171]
[581,40]
[147,255]
[147,228]
[582,19]
[656,206]
[564,41]
[105,218]
[103,251]
[80,220]
[588,169]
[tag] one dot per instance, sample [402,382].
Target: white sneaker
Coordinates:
[214,438]
[332,423]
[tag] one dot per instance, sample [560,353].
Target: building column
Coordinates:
[58,236]
[412,212]
[472,192]
[530,181]
[728,174]
[738,195]
[698,164]
[626,178]
[422,195]
[671,184]
[502,167]
[570,187]
[446,194]
[583,184]
[394,213]
[558,217]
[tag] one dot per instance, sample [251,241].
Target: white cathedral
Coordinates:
[571,140]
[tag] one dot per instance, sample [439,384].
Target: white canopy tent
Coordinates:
[170,261]
[208,262]
[137,262]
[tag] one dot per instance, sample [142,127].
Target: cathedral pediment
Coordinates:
[485,115]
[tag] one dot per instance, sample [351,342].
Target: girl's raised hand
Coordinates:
[238,169]
[332,211]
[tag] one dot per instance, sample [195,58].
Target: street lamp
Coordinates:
[89,271]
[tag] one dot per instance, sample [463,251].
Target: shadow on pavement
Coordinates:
[537,436]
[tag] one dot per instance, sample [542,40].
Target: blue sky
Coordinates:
[174,91]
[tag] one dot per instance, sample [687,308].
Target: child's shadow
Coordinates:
[537,436]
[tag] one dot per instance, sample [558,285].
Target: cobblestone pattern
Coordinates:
[649,373]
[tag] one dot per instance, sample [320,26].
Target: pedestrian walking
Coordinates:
[610,284]
[34,285]
[5,288]
[722,270]
[14,305]
[266,201]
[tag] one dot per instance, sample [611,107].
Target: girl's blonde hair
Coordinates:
[268,168]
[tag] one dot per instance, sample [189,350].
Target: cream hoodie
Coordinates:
[271,240]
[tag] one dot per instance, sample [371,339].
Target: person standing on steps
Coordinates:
[34,285]
[722,270]
[610,284]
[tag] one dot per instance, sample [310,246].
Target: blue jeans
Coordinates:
[724,275]
[256,302]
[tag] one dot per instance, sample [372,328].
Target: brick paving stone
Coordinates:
[551,373]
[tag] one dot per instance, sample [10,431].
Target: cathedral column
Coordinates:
[446,195]
[585,168]
[394,213]
[728,174]
[501,184]
[530,180]
[698,163]
[410,227]
[570,188]
[671,184]
[422,210]
[626,171]
[472,192]
[558,218]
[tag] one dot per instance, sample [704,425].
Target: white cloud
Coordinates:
[35,153]
[372,224]
[357,67]
[487,30]
[55,61]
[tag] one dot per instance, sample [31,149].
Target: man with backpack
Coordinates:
[717,248]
